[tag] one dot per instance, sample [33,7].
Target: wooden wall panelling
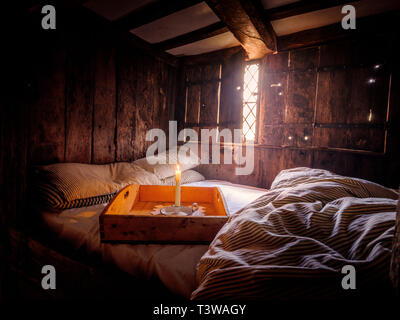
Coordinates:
[298,135]
[333,98]
[126,104]
[209,98]
[273,98]
[272,135]
[230,111]
[268,162]
[273,93]
[368,97]
[337,53]
[104,105]
[16,130]
[160,87]
[145,104]
[304,59]
[301,97]
[357,102]
[219,171]
[193,94]
[325,108]
[365,166]
[64,94]
[255,178]
[79,101]
[227,172]
[273,160]
[271,165]
[47,114]
[346,67]
[171,92]
[16,103]
[181,99]
[369,139]
[278,62]
[301,93]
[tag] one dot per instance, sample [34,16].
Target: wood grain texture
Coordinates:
[230,110]
[129,218]
[319,109]
[369,167]
[209,98]
[273,97]
[301,97]
[244,21]
[79,98]
[126,105]
[104,106]
[65,99]
[47,115]
[304,59]
[146,101]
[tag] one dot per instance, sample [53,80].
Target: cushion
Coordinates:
[187,176]
[73,185]
[163,171]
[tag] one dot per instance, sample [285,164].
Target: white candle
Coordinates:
[178,186]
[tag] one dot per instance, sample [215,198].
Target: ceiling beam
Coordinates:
[190,37]
[245,20]
[153,11]
[312,37]
[300,7]
[366,26]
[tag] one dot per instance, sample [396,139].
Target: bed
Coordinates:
[173,265]
[287,242]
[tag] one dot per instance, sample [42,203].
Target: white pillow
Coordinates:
[189,176]
[168,169]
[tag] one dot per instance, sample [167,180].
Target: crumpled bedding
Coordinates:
[293,241]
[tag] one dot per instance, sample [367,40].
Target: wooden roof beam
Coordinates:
[153,11]
[367,26]
[300,7]
[244,18]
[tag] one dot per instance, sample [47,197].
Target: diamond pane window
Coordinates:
[250,100]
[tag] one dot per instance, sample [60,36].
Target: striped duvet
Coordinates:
[293,241]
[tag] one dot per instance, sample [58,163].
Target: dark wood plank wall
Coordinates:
[326,113]
[78,94]
[208,90]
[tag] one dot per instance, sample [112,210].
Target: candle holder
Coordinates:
[180,210]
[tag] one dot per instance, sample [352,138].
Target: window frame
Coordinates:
[257,116]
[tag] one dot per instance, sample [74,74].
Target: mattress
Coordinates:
[174,265]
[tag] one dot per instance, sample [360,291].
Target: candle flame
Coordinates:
[178,168]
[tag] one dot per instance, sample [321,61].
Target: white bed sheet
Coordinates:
[174,265]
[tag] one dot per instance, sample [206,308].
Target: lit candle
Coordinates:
[178,186]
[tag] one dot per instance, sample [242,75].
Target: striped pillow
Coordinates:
[74,185]
[50,197]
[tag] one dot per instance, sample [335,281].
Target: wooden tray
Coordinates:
[128,217]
